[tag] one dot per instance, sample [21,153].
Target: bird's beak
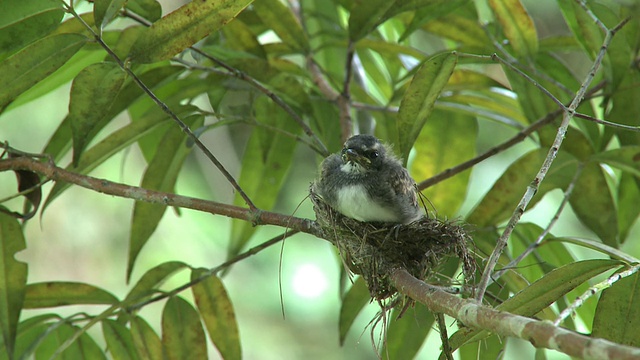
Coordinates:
[352,155]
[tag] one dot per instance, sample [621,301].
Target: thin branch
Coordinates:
[346,124]
[444,338]
[594,290]
[256,216]
[546,231]
[321,82]
[512,61]
[553,151]
[600,24]
[164,108]
[275,98]
[535,83]
[607,123]
[230,120]
[494,57]
[541,334]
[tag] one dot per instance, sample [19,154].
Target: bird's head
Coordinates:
[364,150]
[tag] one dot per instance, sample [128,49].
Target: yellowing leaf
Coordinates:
[182,334]
[417,103]
[35,62]
[92,93]
[13,277]
[60,293]
[183,28]
[216,309]
[517,26]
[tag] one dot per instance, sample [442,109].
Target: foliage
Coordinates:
[442,81]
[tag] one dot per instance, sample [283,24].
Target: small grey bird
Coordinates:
[367,182]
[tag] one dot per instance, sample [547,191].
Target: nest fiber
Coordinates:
[373,250]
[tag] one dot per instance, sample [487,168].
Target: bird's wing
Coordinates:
[403,185]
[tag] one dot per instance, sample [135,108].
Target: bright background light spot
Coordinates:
[309,281]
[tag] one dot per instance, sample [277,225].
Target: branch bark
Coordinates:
[541,334]
[257,217]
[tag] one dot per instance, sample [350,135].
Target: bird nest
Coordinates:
[373,250]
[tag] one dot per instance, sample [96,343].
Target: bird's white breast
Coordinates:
[355,202]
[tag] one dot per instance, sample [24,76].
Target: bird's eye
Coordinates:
[372,154]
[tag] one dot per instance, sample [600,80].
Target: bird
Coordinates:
[366,182]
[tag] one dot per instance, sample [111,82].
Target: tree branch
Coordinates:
[256,216]
[542,334]
[344,100]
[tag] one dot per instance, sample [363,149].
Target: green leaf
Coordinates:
[151,280]
[628,200]
[61,76]
[433,15]
[146,341]
[406,334]
[119,340]
[60,141]
[625,158]
[555,284]
[446,140]
[378,73]
[265,164]
[104,11]
[498,204]
[417,103]
[161,174]
[353,302]
[83,348]
[13,278]
[600,247]
[92,93]
[216,310]
[593,204]
[365,16]
[517,26]
[35,62]
[279,18]
[535,105]
[583,27]
[543,293]
[148,9]
[182,334]
[22,22]
[389,49]
[61,293]
[30,335]
[184,27]
[113,143]
[618,312]
[485,104]
[432,5]
[627,108]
